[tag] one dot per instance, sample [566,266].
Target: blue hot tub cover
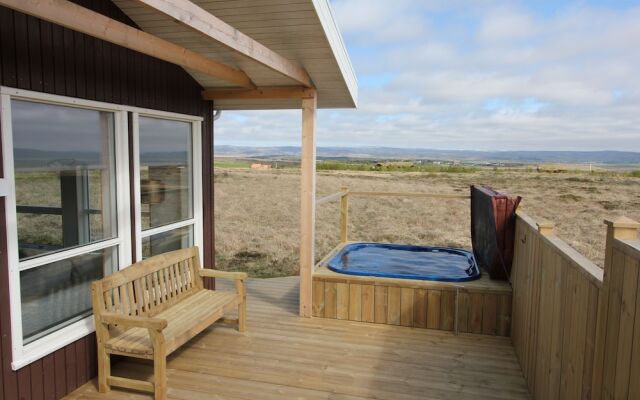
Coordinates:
[406,262]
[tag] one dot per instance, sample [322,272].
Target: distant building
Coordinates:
[261,166]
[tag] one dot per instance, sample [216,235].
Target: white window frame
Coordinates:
[22,354]
[196,153]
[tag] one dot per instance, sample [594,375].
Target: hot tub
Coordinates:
[427,263]
[416,286]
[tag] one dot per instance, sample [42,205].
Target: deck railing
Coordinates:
[448,306]
[576,327]
[344,194]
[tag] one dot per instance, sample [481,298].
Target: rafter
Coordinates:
[78,18]
[272,92]
[216,29]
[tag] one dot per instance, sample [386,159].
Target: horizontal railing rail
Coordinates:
[344,194]
[330,197]
[578,261]
[412,194]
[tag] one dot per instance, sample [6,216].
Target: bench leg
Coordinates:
[104,370]
[159,365]
[160,377]
[242,316]
[241,289]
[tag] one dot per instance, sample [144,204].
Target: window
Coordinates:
[64,176]
[66,182]
[57,294]
[162,242]
[168,165]
[64,161]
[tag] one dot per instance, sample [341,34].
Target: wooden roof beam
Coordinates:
[214,28]
[272,92]
[78,18]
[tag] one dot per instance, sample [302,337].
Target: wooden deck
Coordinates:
[283,357]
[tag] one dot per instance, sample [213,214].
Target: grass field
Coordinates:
[393,167]
[257,211]
[231,163]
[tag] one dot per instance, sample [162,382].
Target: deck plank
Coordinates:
[282,356]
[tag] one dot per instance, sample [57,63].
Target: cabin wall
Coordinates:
[39,56]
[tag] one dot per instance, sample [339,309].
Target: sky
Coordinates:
[476,75]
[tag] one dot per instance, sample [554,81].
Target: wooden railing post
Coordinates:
[307,203]
[622,228]
[545,228]
[619,229]
[344,215]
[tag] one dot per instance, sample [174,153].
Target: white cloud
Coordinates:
[381,21]
[444,61]
[507,24]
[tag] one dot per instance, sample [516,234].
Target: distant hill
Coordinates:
[43,159]
[569,157]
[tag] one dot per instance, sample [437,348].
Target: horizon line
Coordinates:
[432,149]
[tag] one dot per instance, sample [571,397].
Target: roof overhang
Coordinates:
[279,43]
[248,54]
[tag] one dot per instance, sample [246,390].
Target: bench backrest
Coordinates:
[150,286]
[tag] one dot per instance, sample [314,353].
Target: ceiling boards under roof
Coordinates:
[303,31]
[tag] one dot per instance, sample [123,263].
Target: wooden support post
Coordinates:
[307,203]
[620,229]
[269,92]
[344,215]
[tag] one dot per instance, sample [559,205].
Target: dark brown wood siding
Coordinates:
[208,231]
[40,56]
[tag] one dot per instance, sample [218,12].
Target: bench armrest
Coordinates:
[214,273]
[156,324]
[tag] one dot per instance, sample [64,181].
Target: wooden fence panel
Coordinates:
[574,327]
[617,376]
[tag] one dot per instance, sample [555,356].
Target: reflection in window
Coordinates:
[166,172]
[159,243]
[57,294]
[64,174]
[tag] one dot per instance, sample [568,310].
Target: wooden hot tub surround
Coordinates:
[482,306]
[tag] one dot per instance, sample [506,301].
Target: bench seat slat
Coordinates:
[185,319]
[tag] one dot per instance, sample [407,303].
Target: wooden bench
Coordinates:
[153,307]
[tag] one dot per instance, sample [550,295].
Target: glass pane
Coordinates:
[159,243]
[58,294]
[65,176]
[166,169]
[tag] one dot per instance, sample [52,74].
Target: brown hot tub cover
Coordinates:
[493,230]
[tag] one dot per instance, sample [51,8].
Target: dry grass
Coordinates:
[257,211]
